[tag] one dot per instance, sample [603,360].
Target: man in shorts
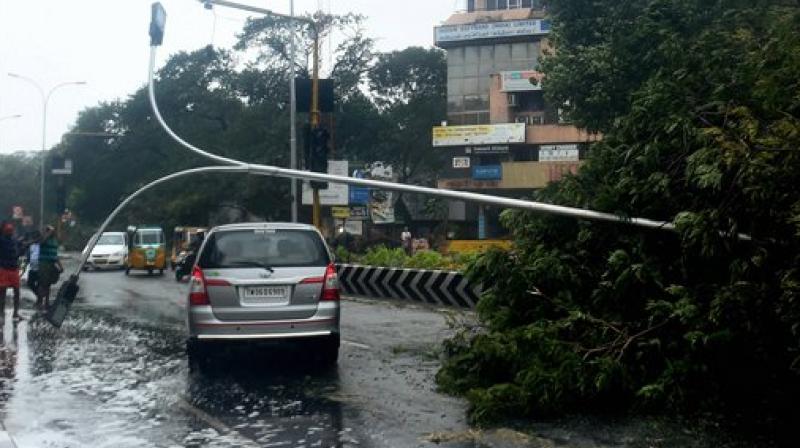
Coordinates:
[9,268]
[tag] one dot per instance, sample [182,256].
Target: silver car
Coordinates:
[265,281]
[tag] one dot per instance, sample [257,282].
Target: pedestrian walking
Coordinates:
[10,250]
[49,266]
[33,262]
[406,241]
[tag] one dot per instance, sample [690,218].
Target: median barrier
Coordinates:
[446,288]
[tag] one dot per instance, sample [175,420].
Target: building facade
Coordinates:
[501,137]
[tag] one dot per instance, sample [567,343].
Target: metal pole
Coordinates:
[293,110]
[45,101]
[315,124]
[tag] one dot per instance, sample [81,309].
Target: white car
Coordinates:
[111,251]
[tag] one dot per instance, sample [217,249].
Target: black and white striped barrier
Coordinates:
[431,287]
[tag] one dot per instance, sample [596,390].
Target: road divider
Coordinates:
[446,288]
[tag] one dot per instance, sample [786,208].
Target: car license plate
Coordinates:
[265,295]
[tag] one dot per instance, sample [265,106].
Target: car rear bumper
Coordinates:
[99,263]
[204,326]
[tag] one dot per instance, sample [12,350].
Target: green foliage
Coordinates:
[701,114]
[383,256]
[426,259]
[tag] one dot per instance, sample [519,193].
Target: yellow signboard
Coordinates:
[340,212]
[473,246]
[487,134]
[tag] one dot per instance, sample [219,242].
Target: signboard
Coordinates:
[487,172]
[461,162]
[335,194]
[520,81]
[17,212]
[559,153]
[358,214]
[467,184]
[354,227]
[490,30]
[494,149]
[486,134]
[340,212]
[66,170]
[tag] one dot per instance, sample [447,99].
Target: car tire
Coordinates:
[329,351]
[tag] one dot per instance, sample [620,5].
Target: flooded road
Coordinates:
[116,375]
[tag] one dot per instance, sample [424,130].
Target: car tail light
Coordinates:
[198,294]
[330,285]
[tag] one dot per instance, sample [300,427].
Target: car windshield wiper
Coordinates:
[252,264]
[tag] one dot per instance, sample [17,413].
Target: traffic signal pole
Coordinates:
[315,119]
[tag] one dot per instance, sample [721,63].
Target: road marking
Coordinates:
[356,344]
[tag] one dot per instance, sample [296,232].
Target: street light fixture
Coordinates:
[45,101]
[10,117]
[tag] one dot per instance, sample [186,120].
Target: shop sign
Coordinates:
[494,149]
[521,81]
[488,134]
[335,194]
[490,30]
[468,184]
[559,153]
[340,212]
[487,172]
[461,163]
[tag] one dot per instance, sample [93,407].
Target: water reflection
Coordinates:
[8,363]
[270,396]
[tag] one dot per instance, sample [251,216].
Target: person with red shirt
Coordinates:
[10,251]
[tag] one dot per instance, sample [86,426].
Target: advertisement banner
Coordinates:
[354,227]
[488,134]
[521,81]
[358,214]
[381,203]
[335,194]
[490,30]
[559,153]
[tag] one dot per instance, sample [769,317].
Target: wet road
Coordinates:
[116,375]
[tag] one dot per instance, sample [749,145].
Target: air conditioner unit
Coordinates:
[513,100]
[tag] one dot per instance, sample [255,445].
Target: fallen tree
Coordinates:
[700,105]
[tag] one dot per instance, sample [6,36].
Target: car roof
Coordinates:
[264,225]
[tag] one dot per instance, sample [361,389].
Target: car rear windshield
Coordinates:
[264,248]
[111,240]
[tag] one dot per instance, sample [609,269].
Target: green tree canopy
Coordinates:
[700,105]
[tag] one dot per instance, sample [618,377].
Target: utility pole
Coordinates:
[293,109]
[315,114]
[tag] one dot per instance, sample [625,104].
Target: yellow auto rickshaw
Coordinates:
[181,238]
[147,250]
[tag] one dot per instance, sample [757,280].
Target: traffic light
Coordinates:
[318,148]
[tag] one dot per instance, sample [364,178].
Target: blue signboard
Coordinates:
[359,195]
[487,172]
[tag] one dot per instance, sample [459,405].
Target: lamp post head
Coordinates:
[158,21]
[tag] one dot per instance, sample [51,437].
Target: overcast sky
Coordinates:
[105,43]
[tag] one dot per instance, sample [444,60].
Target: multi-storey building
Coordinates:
[501,137]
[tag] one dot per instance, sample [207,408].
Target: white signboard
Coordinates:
[461,162]
[520,81]
[559,153]
[484,134]
[491,30]
[354,227]
[335,194]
